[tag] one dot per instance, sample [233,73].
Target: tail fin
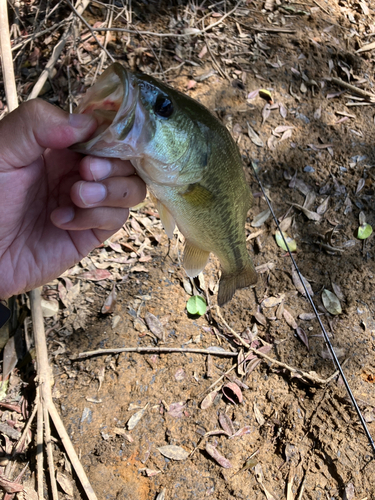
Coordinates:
[229,283]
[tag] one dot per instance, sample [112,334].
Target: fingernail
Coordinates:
[63,215]
[80,121]
[92,192]
[100,168]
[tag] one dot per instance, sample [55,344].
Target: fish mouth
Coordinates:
[112,100]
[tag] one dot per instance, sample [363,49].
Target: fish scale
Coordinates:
[189,161]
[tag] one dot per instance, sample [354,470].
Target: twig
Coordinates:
[157,350]
[47,72]
[222,18]
[6,58]
[39,449]
[51,466]
[308,376]
[361,92]
[78,14]
[25,429]
[217,381]
[32,37]
[44,379]
[321,7]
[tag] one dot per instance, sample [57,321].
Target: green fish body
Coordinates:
[188,160]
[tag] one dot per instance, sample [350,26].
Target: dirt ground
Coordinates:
[303,439]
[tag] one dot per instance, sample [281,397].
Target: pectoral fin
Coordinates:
[198,195]
[195,259]
[165,216]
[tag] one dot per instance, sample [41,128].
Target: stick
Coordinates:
[51,466]
[308,376]
[6,58]
[361,92]
[78,14]
[39,449]
[44,379]
[158,350]
[47,72]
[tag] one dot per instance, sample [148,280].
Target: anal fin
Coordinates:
[195,259]
[165,216]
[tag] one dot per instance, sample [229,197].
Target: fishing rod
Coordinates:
[325,334]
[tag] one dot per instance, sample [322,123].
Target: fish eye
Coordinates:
[163,106]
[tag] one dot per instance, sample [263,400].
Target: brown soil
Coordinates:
[306,436]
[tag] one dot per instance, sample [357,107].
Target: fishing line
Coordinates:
[325,334]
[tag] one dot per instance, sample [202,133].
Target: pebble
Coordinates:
[309,169]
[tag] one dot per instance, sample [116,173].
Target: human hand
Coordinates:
[53,211]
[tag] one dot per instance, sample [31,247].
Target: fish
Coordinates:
[189,162]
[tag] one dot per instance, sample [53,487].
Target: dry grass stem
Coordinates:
[44,379]
[6,58]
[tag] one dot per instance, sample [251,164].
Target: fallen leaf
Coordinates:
[289,241]
[331,302]
[218,457]
[226,423]
[254,137]
[110,301]
[173,452]
[258,415]
[298,284]
[232,392]
[261,218]
[208,400]
[134,419]
[65,483]
[309,214]
[96,275]
[322,208]
[273,301]
[289,319]
[302,335]
[155,326]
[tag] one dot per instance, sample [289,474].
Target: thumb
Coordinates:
[37,125]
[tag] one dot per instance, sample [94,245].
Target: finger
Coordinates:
[36,125]
[95,169]
[99,218]
[120,192]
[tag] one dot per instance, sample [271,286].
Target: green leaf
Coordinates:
[291,243]
[364,231]
[196,305]
[331,302]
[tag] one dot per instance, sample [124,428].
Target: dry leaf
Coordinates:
[110,301]
[134,419]
[298,284]
[338,292]
[96,275]
[310,215]
[258,415]
[155,326]
[261,218]
[232,392]
[322,208]
[226,423]
[218,457]
[241,432]
[302,335]
[254,137]
[65,483]
[273,301]
[289,319]
[208,400]
[173,452]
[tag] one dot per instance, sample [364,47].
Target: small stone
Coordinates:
[139,325]
[309,169]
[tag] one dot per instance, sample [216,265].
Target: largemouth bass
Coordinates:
[188,160]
